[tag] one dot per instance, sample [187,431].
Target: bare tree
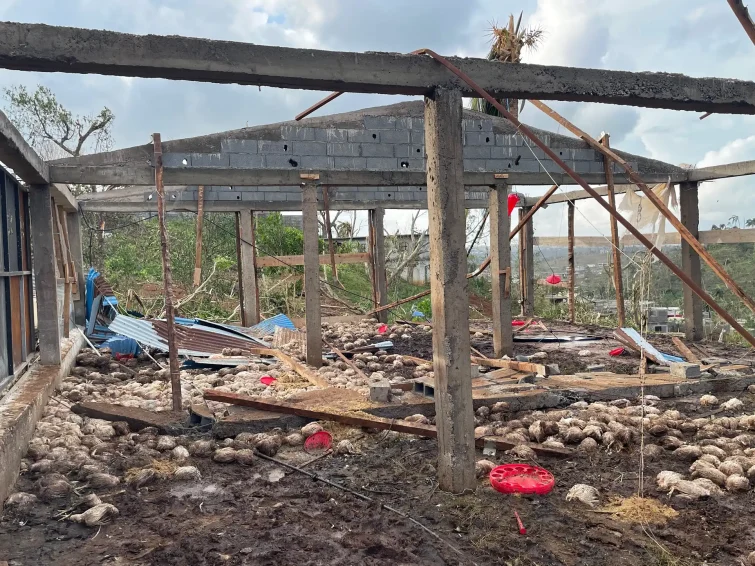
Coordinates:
[403,250]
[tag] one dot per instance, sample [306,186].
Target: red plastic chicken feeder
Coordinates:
[521,478]
[321,440]
[513,199]
[553,279]
[518,323]
[382,329]
[267,380]
[617,351]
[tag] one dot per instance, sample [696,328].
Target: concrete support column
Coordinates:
[247,268]
[527,264]
[73,222]
[45,283]
[500,269]
[693,305]
[449,298]
[377,252]
[310,228]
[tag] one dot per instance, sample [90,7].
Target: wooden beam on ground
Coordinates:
[618,279]
[688,354]
[43,48]
[312,274]
[45,284]
[570,260]
[363,420]
[686,235]
[303,371]
[174,368]
[166,422]
[539,369]
[448,282]
[500,269]
[346,360]
[289,260]
[689,213]
[248,273]
[198,246]
[377,251]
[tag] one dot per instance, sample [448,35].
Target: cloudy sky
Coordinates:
[694,37]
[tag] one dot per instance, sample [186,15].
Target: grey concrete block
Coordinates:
[404,123]
[275,161]
[378,149]
[395,136]
[585,154]
[382,163]
[597,167]
[418,123]
[350,162]
[417,150]
[253,195]
[582,166]
[418,137]
[274,196]
[267,146]
[316,162]
[412,164]
[380,122]
[502,152]
[474,165]
[238,146]
[380,392]
[176,160]
[298,133]
[477,152]
[321,134]
[310,148]
[336,135]
[684,370]
[553,167]
[209,160]
[526,166]
[402,150]
[479,138]
[477,125]
[365,136]
[344,149]
[246,160]
[229,195]
[499,165]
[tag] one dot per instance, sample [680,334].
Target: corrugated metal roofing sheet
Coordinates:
[267,326]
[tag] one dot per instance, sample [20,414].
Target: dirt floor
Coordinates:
[265,514]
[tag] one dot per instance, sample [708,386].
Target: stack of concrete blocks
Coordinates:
[384,143]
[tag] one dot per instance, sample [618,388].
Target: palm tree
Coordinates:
[507,47]
[734,221]
[750,223]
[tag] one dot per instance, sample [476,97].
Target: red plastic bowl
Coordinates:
[521,478]
[267,380]
[518,323]
[321,440]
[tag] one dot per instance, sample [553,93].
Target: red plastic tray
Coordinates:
[267,380]
[521,478]
[321,440]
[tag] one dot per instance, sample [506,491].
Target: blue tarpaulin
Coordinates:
[122,345]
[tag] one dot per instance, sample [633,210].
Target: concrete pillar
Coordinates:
[247,271]
[449,297]
[73,222]
[310,228]
[377,251]
[693,305]
[500,269]
[527,264]
[45,282]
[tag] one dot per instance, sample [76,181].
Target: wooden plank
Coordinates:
[454,412]
[377,251]
[500,268]
[538,369]
[289,260]
[166,422]
[359,419]
[688,354]
[248,277]
[346,360]
[198,246]
[67,269]
[329,231]
[618,279]
[570,260]
[303,371]
[312,274]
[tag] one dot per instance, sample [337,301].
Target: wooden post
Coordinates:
[618,280]
[377,254]
[312,274]
[247,271]
[690,217]
[45,283]
[329,231]
[526,264]
[73,222]
[448,282]
[570,260]
[60,222]
[198,248]
[500,271]
[175,371]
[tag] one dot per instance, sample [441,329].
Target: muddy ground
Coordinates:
[251,515]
